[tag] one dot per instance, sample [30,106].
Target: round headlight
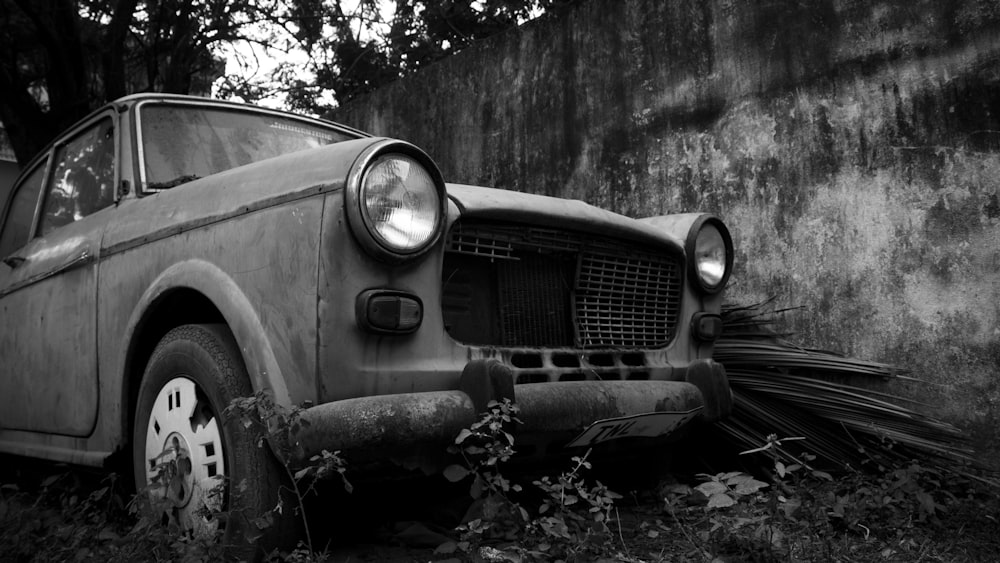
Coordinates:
[710,251]
[400,203]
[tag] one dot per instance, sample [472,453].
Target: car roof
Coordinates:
[133,99]
[127,102]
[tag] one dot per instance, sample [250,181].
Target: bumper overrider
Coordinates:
[436,417]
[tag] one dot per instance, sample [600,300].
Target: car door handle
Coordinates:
[14,261]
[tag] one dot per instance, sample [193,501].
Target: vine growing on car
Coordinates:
[278,425]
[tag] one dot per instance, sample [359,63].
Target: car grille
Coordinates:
[518,285]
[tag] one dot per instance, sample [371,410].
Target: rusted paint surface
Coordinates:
[852,147]
[85,290]
[38,304]
[574,405]
[386,421]
[400,421]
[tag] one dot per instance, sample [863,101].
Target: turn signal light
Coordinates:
[389,312]
[706,327]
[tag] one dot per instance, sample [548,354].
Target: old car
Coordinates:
[170,254]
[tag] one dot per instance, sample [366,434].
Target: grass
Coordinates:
[56,513]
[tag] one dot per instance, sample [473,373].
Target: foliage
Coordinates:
[278,426]
[354,53]
[811,516]
[573,514]
[483,447]
[61,59]
[88,516]
[571,517]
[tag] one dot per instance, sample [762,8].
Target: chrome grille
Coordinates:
[530,286]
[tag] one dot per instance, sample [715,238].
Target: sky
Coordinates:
[253,61]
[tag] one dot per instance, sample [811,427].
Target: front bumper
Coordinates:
[388,422]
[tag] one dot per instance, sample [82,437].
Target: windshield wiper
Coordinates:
[171,183]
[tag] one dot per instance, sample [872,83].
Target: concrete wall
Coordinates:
[852,145]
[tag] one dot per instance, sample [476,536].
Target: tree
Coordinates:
[352,54]
[61,59]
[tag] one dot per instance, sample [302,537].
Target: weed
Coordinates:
[569,518]
[483,447]
[278,426]
[573,513]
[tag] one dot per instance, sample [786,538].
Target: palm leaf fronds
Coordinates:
[831,400]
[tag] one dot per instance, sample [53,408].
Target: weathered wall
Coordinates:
[852,145]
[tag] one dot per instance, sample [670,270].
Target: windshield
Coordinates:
[185,142]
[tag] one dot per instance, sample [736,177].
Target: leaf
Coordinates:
[790,507]
[720,500]
[678,489]
[711,488]
[455,473]
[749,486]
[447,548]
[476,490]
[465,433]
[738,478]
[524,513]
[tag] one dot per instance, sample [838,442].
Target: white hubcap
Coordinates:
[185,465]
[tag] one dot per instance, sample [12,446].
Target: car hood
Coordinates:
[302,174]
[518,207]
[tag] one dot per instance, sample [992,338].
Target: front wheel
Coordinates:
[201,473]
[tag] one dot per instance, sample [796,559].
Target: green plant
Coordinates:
[483,447]
[278,426]
[572,512]
[724,489]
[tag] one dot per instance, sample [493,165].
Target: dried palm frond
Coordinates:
[831,400]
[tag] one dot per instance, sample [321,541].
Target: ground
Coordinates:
[54,512]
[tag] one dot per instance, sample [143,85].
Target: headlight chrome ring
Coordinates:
[395,201]
[709,249]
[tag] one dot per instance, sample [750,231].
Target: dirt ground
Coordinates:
[51,512]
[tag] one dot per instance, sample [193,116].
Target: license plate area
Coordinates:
[646,425]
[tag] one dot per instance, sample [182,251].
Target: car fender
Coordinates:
[239,314]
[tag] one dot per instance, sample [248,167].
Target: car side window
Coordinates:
[17,229]
[83,177]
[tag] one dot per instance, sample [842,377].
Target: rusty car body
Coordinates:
[169,254]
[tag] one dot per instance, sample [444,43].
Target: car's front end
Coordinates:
[435,300]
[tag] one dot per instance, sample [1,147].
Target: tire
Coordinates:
[187,459]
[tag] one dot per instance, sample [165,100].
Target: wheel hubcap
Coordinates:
[185,465]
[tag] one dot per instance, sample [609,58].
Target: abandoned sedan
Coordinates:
[169,254]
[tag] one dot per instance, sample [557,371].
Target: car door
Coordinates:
[48,285]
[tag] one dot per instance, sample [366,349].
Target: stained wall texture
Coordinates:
[852,145]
